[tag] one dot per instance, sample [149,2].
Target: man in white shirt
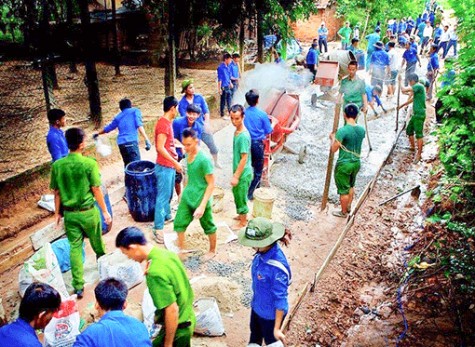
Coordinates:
[427,35]
[453,38]
[444,41]
[393,67]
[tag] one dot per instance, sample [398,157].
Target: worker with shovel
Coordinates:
[348,140]
[271,277]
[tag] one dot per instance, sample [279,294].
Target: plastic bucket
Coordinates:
[263,202]
[141,190]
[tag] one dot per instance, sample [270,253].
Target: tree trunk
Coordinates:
[46,41]
[30,27]
[90,64]
[116,43]
[170,69]
[365,26]
[241,45]
[260,32]
[69,21]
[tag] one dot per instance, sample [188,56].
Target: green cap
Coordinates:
[261,232]
[185,84]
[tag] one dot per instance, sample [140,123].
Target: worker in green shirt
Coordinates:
[417,95]
[196,199]
[353,88]
[168,285]
[345,33]
[242,169]
[76,182]
[347,140]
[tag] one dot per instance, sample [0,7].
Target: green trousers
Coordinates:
[77,225]
[182,337]
[240,194]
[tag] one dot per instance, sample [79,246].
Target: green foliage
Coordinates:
[457,135]
[357,11]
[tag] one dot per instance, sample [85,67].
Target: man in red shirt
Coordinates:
[166,165]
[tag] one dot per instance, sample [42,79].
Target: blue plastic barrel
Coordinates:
[105,228]
[141,190]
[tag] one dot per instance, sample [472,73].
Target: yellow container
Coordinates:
[263,202]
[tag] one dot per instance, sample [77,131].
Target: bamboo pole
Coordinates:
[336,119]
[397,104]
[367,131]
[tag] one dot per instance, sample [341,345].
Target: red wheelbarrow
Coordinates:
[284,112]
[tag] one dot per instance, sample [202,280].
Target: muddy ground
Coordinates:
[363,276]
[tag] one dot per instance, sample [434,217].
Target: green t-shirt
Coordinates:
[345,32]
[419,107]
[351,137]
[196,184]
[167,283]
[73,176]
[242,145]
[353,91]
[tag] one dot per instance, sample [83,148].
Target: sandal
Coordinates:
[339,214]
[157,237]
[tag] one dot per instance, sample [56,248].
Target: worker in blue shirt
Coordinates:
[410,58]
[193,112]
[402,26]
[190,97]
[225,85]
[412,41]
[37,307]
[258,124]
[114,328]
[271,278]
[379,65]
[55,140]
[312,59]
[323,37]
[235,75]
[373,94]
[437,33]
[432,69]
[410,25]
[129,123]
[372,39]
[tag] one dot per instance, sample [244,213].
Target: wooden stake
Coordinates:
[397,104]
[295,307]
[331,155]
[367,132]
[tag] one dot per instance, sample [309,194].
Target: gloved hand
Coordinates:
[95,136]
[148,145]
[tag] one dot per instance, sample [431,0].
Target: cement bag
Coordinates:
[62,330]
[148,310]
[208,317]
[62,249]
[42,267]
[117,265]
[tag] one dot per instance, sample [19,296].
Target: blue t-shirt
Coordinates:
[322,33]
[224,75]
[56,142]
[401,27]
[372,39]
[114,329]
[380,59]
[257,123]
[180,124]
[438,32]
[19,333]
[198,99]
[312,57]
[433,62]
[234,70]
[270,282]
[410,24]
[414,46]
[127,121]
[420,29]
[370,96]
[410,55]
